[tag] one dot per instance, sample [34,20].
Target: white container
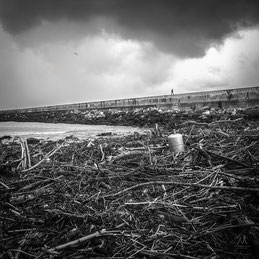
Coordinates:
[176,143]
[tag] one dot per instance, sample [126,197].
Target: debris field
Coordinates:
[131,197]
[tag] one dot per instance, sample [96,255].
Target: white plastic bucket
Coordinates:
[176,143]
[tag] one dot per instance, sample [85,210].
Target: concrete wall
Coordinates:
[240,97]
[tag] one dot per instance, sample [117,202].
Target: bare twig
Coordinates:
[77,241]
[6,186]
[45,157]
[226,188]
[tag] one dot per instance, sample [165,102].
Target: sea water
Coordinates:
[56,131]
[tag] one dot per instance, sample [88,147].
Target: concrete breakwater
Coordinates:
[231,98]
[146,111]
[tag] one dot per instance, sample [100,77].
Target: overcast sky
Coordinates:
[68,51]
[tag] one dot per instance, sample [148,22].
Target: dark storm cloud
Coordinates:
[185,26]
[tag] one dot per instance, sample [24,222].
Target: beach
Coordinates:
[118,196]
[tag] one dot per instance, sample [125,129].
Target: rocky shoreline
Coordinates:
[133,117]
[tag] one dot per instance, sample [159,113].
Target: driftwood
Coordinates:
[229,159]
[77,241]
[47,156]
[129,197]
[211,123]
[226,188]
[126,154]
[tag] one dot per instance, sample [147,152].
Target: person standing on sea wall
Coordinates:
[172,92]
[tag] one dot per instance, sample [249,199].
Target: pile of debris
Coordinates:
[131,197]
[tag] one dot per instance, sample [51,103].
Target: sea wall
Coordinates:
[231,98]
[163,110]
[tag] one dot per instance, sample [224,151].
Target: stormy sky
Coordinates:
[67,51]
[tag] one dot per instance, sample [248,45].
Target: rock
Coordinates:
[205,108]
[251,113]
[104,134]
[5,139]
[33,141]
[206,112]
